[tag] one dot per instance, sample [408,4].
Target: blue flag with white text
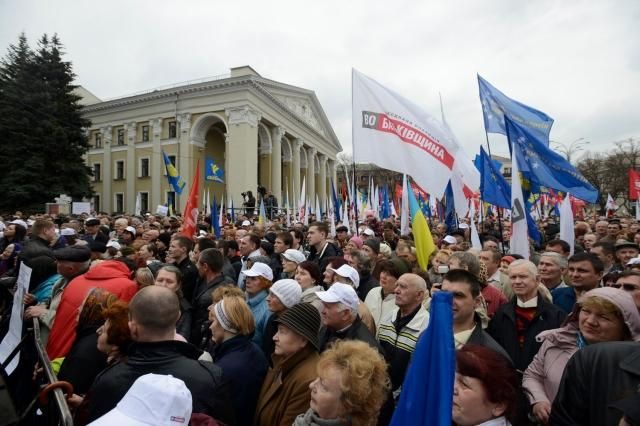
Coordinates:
[494,189]
[426,398]
[496,105]
[544,167]
[213,172]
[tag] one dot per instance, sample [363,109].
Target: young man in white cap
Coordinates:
[340,317]
[153,400]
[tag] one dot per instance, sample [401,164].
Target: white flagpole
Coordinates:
[475,238]
[566,222]
[519,243]
[404,208]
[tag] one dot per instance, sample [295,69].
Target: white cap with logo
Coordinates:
[153,399]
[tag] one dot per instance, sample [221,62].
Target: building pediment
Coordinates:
[303,109]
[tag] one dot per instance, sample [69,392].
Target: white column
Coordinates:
[323,179]
[296,146]
[130,130]
[311,175]
[157,165]
[187,164]
[107,167]
[242,152]
[276,162]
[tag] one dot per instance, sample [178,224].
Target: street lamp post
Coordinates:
[568,151]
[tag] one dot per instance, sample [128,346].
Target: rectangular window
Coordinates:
[119,202]
[97,172]
[96,203]
[172,129]
[145,133]
[98,140]
[144,167]
[120,137]
[144,202]
[119,170]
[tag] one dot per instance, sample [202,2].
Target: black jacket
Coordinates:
[329,250]
[189,277]
[210,392]
[245,366]
[356,331]
[367,282]
[35,247]
[83,362]
[595,377]
[183,326]
[482,338]
[502,328]
[201,302]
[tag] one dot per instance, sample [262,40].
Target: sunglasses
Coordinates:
[626,286]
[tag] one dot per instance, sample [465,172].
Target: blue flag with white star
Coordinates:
[544,167]
[496,106]
[494,189]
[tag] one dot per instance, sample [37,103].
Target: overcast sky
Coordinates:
[578,61]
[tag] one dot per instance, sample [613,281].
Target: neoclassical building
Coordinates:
[260,131]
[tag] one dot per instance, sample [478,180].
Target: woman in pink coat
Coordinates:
[601,315]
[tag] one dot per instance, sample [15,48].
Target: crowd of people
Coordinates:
[271,324]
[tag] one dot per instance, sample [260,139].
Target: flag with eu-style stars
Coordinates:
[544,167]
[496,106]
[494,189]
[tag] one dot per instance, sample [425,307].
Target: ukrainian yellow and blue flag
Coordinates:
[173,176]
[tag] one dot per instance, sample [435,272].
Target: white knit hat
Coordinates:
[288,291]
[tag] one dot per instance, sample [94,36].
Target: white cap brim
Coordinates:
[117,417]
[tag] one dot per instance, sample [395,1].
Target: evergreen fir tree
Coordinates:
[43,137]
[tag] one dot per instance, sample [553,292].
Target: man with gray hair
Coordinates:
[552,267]
[340,317]
[400,329]
[517,323]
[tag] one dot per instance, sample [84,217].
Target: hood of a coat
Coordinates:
[107,270]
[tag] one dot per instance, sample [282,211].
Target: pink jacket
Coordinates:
[542,377]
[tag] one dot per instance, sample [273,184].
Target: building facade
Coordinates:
[259,131]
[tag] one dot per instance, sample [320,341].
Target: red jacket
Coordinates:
[110,275]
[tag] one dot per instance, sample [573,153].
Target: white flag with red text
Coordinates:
[392,132]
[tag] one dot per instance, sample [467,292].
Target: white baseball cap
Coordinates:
[259,269]
[67,232]
[114,244]
[246,223]
[463,226]
[369,232]
[634,261]
[131,229]
[348,272]
[153,399]
[294,255]
[19,222]
[339,292]
[449,239]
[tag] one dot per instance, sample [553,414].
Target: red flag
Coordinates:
[634,184]
[190,215]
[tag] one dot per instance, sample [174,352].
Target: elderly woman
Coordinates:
[170,277]
[486,389]
[242,362]
[291,258]
[381,300]
[309,277]
[601,315]
[283,294]
[351,386]
[257,285]
[285,393]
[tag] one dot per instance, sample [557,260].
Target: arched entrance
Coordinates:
[208,134]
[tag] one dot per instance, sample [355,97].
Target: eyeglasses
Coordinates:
[626,286]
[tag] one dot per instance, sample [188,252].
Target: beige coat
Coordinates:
[285,391]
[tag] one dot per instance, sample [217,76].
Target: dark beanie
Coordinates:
[374,243]
[304,319]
